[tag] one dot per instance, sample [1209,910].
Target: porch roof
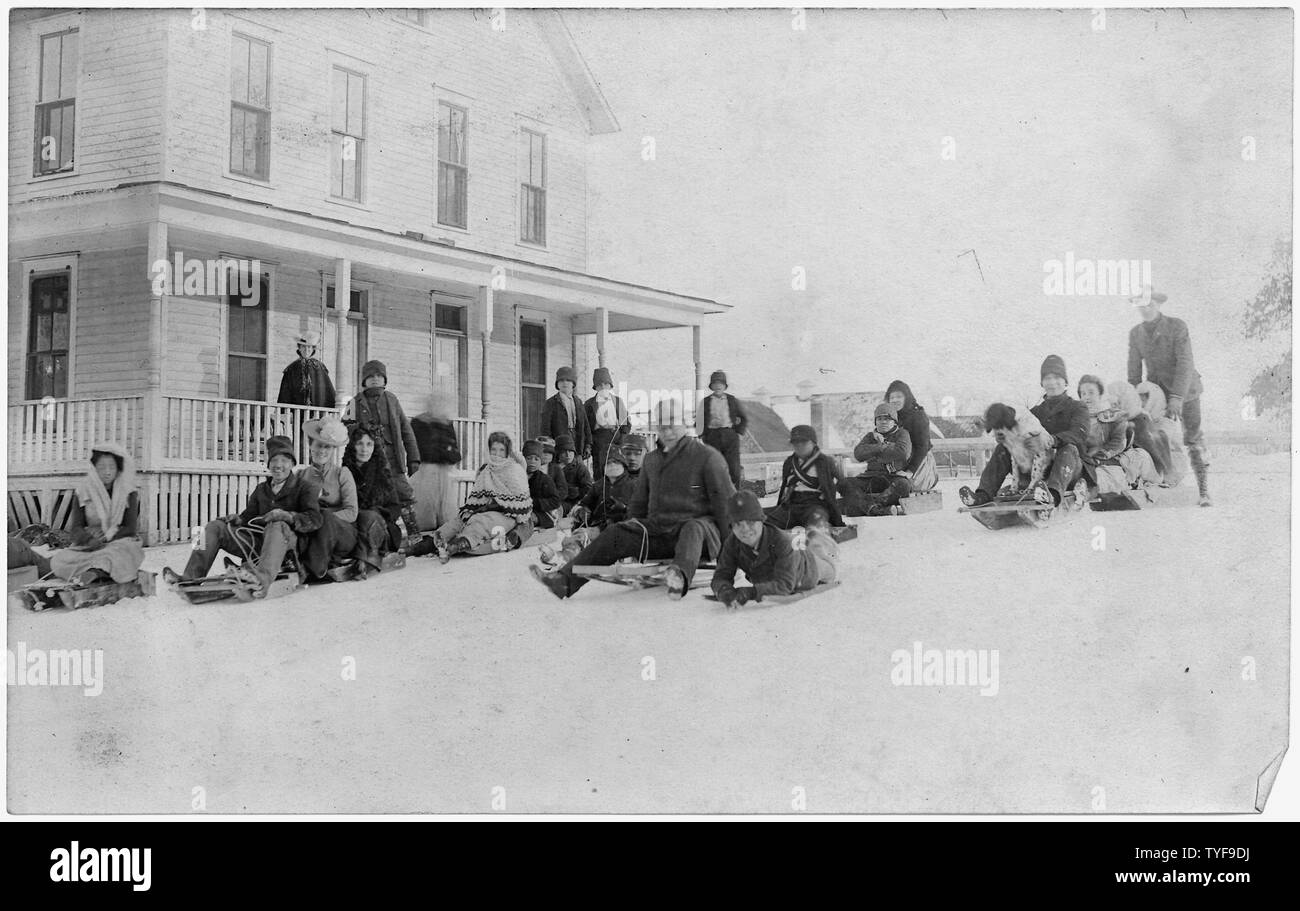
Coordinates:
[237,226]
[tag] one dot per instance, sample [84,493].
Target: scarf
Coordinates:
[799,473]
[95,498]
[500,486]
[567,401]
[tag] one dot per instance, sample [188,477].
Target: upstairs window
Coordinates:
[532,188]
[453,166]
[56,104]
[348,122]
[250,107]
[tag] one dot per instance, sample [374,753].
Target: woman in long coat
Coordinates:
[378,503]
[103,522]
[335,540]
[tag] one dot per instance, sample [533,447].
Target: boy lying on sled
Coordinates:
[768,556]
[283,508]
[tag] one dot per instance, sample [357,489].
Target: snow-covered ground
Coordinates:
[1120,682]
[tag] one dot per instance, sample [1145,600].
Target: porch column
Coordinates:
[153,416]
[343,375]
[602,328]
[699,376]
[485,333]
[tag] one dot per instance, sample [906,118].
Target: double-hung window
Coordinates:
[250,107]
[56,104]
[453,165]
[348,125]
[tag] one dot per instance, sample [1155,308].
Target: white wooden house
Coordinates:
[428,168]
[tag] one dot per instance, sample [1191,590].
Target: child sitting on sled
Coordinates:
[605,504]
[546,502]
[809,481]
[774,562]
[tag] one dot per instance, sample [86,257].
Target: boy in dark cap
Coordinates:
[809,482]
[1064,418]
[565,415]
[724,423]
[554,470]
[546,502]
[280,511]
[577,479]
[774,562]
[634,448]
[607,417]
[885,450]
[605,504]
[379,411]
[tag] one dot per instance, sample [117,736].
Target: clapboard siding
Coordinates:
[122,61]
[502,75]
[192,329]
[399,335]
[111,325]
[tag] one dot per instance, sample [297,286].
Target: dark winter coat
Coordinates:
[383,416]
[607,502]
[80,534]
[772,568]
[913,419]
[374,483]
[545,499]
[828,479]
[620,410]
[578,479]
[1107,437]
[689,482]
[887,457]
[300,496]
[1064,418]
[555,471]
[1165,347]
[315,375]
[739,421]
[435,440]
[555,423]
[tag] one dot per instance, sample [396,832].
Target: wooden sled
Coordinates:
[844,533]
[642,575]
[44,594]
[915,503]
[772,600]
[1010,509]
[347,572]
[230,586]
[1145,498]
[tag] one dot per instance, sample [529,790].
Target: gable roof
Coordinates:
[577,75]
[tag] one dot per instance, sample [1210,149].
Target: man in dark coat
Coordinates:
[607,417]
[307,381]
[810,480]
[1066,419]
[1162,344]
[280,511]
[564,414]
[885,450]
[724,423]
[678,511]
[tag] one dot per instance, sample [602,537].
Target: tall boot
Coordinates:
[275,544]
[1197,457]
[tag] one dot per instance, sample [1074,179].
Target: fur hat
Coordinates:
[565,373]
[717,377]
[634,442]
[886,409]
[802,433]
[374,368]
[328,430]
[279,445]
[563,442]
[1053,363]
[742,506]
[999,417]
[532,448]
[601,375]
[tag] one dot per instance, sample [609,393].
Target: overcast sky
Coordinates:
[822,149]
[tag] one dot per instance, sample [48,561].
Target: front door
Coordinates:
[532,377]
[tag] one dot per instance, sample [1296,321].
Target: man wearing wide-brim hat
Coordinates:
[336,539]
[307,381]
[280,511]
[1161,344]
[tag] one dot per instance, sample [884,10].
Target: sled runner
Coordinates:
[1145,498]
[233,585]
[44,594]
[786,599]
[642,575]
[348,571]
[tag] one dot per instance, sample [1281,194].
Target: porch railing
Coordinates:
[203,430]
[57,433]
